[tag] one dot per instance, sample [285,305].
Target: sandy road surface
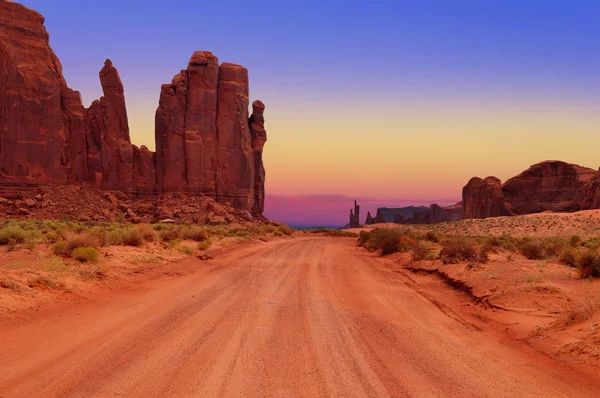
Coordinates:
[300,317]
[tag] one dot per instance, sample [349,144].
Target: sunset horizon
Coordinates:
[459,90]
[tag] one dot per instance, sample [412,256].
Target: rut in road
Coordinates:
[298,317]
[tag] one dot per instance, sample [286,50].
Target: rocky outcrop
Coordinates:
[354,216]
[259,138]
[379,217]
[482,198]
[42,133]
[109,125]
[547,186]
[591,199]
[206,143]
[369,220]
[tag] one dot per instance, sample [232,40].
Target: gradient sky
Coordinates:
[393,103]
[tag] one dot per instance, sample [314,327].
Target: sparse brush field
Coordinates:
[60,255]
[546,287]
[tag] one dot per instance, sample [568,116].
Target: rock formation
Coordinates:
[206,143]
[592,195]
[483,198]
[546,186]
[355,216]
[369,220]
[549,185]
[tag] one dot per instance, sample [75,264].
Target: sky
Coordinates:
[391,103]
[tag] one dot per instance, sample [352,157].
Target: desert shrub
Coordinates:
[484,256]
[85,254]
[420,251]
[568,256]
[532,249]
[186,250]
[12,234]
[385,239]
[406,243]
[458,249]
[432,237]
[494,241]
[575,240]
[148,233]
[284,229]
[363,237]
[592,243]
[554,247]
[51,237]
[169,235]
[203,245]
[196,234]
[132,237]
[588,263]
[61,248]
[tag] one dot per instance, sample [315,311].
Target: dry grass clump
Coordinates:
[147,232]
[204,245]
[588,263]
[196,234]
[126,236]
[72,241]
[458,249]
[85,254]
[169,235]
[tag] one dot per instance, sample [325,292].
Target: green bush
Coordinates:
[575,240]
[12,235]
[458,249]
[61,248]
[186,249]
[85,254]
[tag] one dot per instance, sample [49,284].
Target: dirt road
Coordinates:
[300,317]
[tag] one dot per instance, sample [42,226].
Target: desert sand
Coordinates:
[302,316]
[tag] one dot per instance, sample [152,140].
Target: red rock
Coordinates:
[591,199]
[205,142]
[201,123]
[259,138]
[144,170]
[235,155]
[30,202]
[169,135]
[369,220]
[109,116]
[379,217]
[37,109]
[550,185]
[483,198]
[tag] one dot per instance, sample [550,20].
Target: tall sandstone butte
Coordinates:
[205,141]
[42,128]
[483,198]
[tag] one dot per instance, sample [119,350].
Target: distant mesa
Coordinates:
[551,185]
[206,141]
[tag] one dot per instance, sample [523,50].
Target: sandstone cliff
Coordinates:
[547,186]
[206,142]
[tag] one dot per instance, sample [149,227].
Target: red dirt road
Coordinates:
[300,317]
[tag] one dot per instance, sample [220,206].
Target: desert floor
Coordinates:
[301,316]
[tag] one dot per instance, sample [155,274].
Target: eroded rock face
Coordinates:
[482,198]
[206,143]
[592,195]
[550,185]
[259,138]
[42,134]
[369,220]
[235,155]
